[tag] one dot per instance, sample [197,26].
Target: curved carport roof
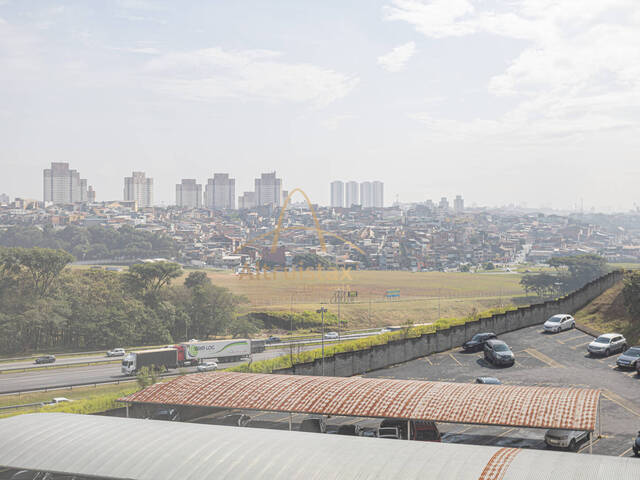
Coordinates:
[122,448]
[505,405]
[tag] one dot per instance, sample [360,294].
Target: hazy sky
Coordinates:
[513,101]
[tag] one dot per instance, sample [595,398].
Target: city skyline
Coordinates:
[432,97]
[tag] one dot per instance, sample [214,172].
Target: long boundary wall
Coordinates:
[358,362]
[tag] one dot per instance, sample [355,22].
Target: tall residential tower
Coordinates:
[189,193]
[220,192]
[337,194]
[268,190]
[61,185]
[139,188]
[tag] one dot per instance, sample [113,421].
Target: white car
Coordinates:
[569,439]
[207,367]
[607,344]
[116,352]
[559,322]
[57,400]
[331,335]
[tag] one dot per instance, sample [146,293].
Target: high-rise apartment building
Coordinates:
[61,185]
[268,189]
[4,198]
[138,188]
[352,196]
[337,194]
[378,194]
[189,193]
[366,195]
[458,204]
[247,200]
[444,204]
[220,192]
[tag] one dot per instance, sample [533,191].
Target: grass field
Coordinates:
[607,313]
[424,296]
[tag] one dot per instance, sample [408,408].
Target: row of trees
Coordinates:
[569,274]
[93,243]
[44,305]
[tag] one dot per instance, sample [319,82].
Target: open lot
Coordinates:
[424,296]
[541,359]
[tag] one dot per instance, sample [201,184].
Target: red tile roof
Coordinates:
[506,405]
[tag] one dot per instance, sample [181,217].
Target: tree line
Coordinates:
[93,243]
[44,305]
[568,274]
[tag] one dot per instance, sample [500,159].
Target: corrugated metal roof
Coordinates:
[507,405]
[154,450]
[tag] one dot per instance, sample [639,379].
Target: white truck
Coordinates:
[219,350]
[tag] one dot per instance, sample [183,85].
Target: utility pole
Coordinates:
[321,311]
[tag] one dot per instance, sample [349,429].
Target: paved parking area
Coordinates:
[541,359]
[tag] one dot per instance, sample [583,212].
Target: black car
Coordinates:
[46,359]
[273,339]
[477,341]
[629,358]
[349,429]
[636,446]
[498,353]
[169,414]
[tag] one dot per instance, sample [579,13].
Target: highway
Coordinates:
[56,377]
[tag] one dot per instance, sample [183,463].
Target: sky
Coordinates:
[528,102]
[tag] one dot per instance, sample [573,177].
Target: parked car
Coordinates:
[629,358]
[422,430]
[169,414]
[314,424]
[488,381]
[607,344]
[57,400]
[46,359]
[273,339]
[350,429]
[331,335]
[116,352]
[498,353]
[235,420]
[477,341]
[207,367]
[567,439]
[636,446]
[559,322]
[388,432]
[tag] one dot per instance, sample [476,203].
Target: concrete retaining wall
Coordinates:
[347,364]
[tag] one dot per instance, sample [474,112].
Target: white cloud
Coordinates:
[214,73]
[578,72]
[396,59]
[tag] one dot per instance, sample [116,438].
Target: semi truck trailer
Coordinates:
[158,358]
[193,353]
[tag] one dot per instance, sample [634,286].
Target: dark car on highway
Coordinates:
[629,359]
[498,353]
[477,341]
[273,339]
[46,359]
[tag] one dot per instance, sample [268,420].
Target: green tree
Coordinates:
[151,277]
[543,284]
[43,265]
[578,270]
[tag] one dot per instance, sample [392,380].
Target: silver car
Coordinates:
[207,367]
[558,323]
[568,439]
[607,344]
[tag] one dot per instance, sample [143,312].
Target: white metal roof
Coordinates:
[506,405]
[154,450]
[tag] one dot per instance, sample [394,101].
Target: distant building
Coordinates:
[444,204]
[138,188]
[268,190]
[220,192]
[366,195]
[189,193]
[458,204]
[247,200]
[352,196]
[337,194]
[91,195]
[4,198]
[61,185]
[285,194]
[378,194]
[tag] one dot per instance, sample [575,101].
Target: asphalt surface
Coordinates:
[56,377]
[541,359]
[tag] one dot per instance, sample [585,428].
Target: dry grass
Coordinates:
[607,313]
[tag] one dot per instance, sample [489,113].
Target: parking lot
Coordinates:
[541,359]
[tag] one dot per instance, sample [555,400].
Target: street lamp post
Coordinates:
[321,311]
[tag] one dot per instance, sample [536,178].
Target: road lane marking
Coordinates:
[625,452]
[427,359]
[506,431]
[575,347]
[454,359]
[566,340]
[618,400]
[587,444]
[543,358]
